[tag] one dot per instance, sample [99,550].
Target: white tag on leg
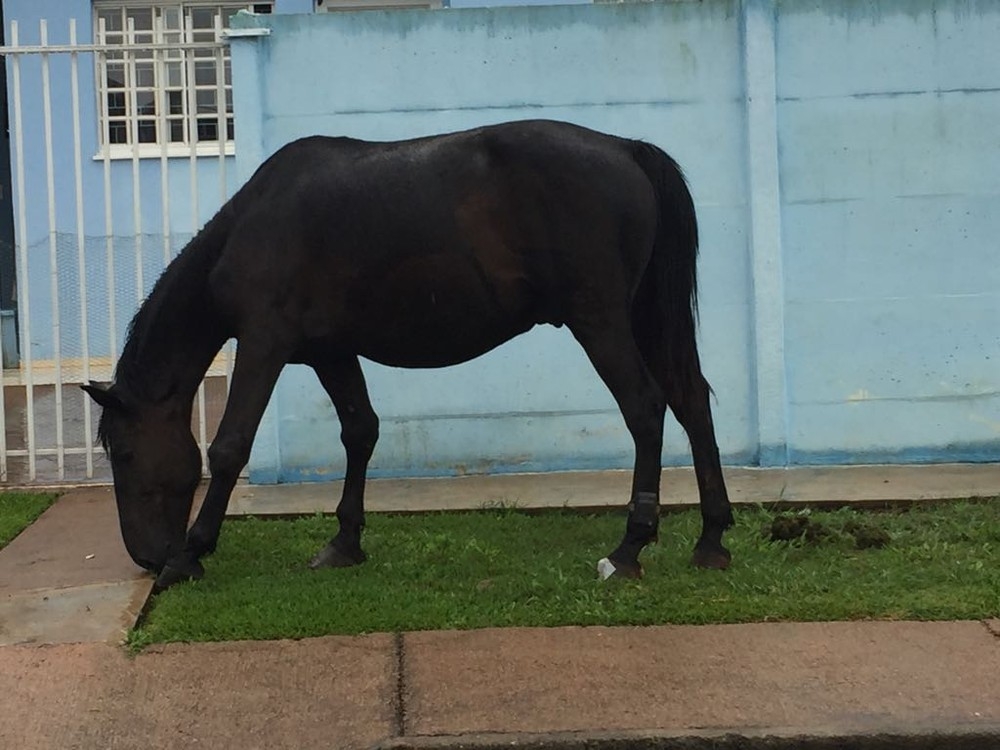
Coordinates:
[605,568]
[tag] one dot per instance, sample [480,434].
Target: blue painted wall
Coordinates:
[409,73]
[890,190]
[846,186]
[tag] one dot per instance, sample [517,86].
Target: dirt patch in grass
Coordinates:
[802,527]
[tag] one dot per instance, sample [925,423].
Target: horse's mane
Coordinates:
[165,313]
[176,307]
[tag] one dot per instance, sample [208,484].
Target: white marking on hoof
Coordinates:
[605,568]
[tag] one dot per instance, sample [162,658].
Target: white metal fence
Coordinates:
[94,225]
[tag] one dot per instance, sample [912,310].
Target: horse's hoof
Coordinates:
[333,557]
[606,568]
[174,572]
[717,558]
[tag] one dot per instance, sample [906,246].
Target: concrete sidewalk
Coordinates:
[553,688]
[68,593]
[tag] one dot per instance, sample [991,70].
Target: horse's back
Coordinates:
[432,251]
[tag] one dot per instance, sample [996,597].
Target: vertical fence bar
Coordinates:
[222,131]
[81,247]
[3,410]
[23,286]
[192,126]
[3,421]
[130,68]
[163,131]
[109,226]
[222,125]
[3,407]
[53,249]
[220,101]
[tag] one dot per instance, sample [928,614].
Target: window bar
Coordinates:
[161,102]
[192,123]
[81,248]
[132,83]
[53,250]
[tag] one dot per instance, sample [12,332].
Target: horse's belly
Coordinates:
[439,338]
[433,315]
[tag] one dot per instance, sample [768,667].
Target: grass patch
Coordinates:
[18,510]
[505,568]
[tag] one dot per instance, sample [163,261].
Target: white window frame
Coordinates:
[154,92]
[332,6]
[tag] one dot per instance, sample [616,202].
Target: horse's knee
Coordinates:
[360,434]
[228,456]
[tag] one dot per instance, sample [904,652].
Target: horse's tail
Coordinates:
[674,261]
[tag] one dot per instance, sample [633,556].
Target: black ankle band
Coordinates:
[644,512]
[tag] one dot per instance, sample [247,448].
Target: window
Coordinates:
[335,5]
[175,95]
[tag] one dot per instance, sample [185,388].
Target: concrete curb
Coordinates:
[875,486]
[976,737]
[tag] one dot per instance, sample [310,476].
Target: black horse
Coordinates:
[420,253]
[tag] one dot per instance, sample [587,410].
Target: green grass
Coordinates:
[504,568]
[18,510]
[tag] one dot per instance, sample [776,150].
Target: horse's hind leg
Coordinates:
[615,355]
[688,396]
[345,384]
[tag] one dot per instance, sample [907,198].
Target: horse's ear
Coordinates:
[104,396]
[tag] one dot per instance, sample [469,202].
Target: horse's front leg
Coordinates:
[254,375]
[344,381]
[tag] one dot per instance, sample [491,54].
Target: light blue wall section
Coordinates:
[669,73]
[157,241]
[890,181]
[847,183]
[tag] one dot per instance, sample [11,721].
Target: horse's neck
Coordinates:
[176,346]
[192,360]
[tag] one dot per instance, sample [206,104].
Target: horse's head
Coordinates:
[156,467]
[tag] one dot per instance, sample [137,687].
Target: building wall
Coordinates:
[840,153]
[890,189]
[535,403]
[844,174]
